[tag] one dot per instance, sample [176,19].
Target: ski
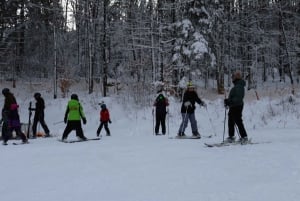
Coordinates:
[190,137]
[185,137]
[44,136]
[222,144]
[207,136]
[79,140]
[20,143]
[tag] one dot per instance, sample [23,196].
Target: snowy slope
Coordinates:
[134,165]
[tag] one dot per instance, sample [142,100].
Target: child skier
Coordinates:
[104,120]
[161,103]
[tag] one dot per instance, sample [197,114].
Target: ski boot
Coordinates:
[230,139]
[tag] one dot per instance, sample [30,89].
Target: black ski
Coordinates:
[185,137]
[190,137]
[222,144]
[79,140]
[20,143]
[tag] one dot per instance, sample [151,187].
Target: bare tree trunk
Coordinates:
[104,48]
[283,42]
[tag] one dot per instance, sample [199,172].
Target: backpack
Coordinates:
[160,103]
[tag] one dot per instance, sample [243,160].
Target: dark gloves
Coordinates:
[109,121]
[65,119]
[84,120]
[226,102]
[203,104]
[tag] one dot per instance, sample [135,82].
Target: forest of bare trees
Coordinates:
[141,44]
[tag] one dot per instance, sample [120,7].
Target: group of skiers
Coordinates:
[74,114]
[234,102]
[11,119]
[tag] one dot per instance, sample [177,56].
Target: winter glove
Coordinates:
[31,109]
[187,104]
[203,104]
[65,119]
[109,121]
[84,120]
[1,120]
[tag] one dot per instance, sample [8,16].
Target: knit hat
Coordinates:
[5,91]
[74,97]
[190,85]
[37,95]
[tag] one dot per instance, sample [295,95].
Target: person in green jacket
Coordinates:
[73,115]
[235,102]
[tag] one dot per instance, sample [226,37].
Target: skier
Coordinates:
[73,115]
[11,118]
[235,103]
[160,104]
[104,120]
[188,107]
[39,115]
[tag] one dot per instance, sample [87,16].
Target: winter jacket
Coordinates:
[10,111]
[104,115]
[39,106]
[74,111]
[161,104]
[237,93]
[189,100]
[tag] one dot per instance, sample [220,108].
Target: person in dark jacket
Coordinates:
[235,102]
[104,120]
[73,115]
[161,103]
[39,115]
[190,98]
[11,118]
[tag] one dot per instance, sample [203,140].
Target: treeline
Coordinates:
[143,44]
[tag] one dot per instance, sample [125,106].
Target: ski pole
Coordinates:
[237,130]
[59,122]
[224,125]
[224,117]
[29,119]
[168,123]
[153,121]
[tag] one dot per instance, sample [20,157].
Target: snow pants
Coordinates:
[39,118]
[235,118]
[185,119]
[105,124]
[73,125]
[160,120]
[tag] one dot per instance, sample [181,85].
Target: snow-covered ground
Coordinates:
[134,165]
